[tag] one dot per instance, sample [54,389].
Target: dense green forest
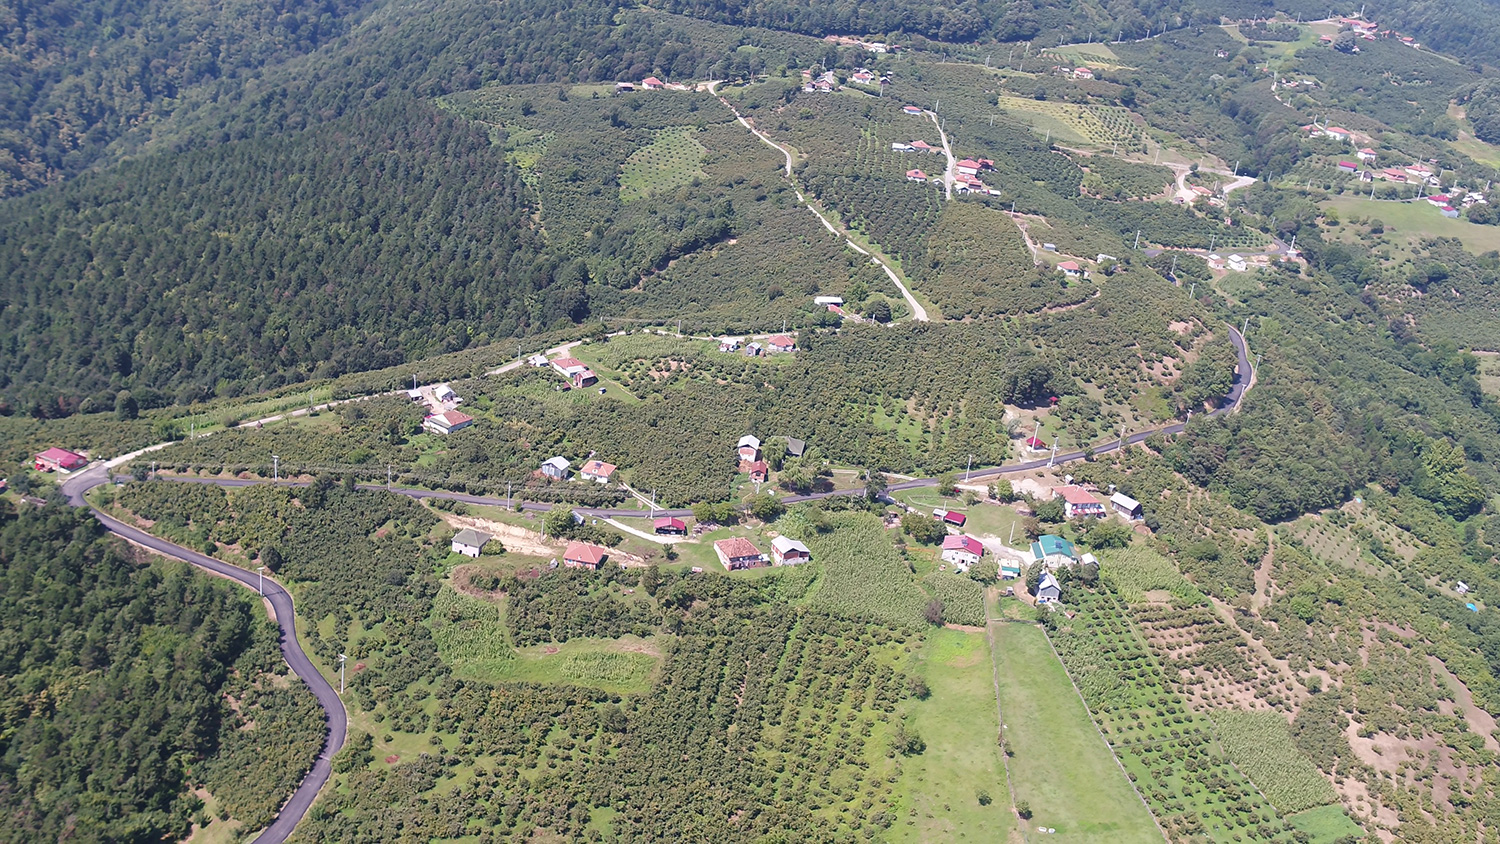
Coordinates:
[395,233]
[124,686]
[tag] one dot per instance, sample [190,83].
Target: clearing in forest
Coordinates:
[670,161]
[958,723]
[1099,126]
[1061,766]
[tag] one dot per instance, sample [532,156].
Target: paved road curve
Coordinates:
[333,708]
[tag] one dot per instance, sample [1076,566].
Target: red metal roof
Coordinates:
[1033,442]
[582,552]
[669,522]
[963,542]
[955,517]
[451,418]
[1351,165]
[781,340]
[61,456]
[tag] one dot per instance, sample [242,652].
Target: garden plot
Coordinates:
[1099,126]
[672,160]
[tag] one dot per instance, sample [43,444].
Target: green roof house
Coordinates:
[1054,551]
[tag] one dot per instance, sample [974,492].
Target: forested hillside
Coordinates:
[394,233]
[112,685]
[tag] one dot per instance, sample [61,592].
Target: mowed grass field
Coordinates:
[1061,766]
[670,161]
[959,724]
[1489,372]
[1408,222]
[1325,825]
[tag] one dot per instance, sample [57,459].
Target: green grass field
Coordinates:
[959,724]
[1489,373]
[1061,766]
[1099,126]
[670,161]
[1408,222]
[1326,824]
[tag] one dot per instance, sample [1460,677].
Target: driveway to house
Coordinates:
[947,153]
[918,312]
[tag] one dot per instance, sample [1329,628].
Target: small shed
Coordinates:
[556,468]
[795,447]
[1125,505]
[669,526]
[470,542]
[786,551]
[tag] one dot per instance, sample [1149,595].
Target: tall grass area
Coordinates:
[1260,745]
[863,575]
[1138,570]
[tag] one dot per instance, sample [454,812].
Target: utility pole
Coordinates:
[1053,458]
[341,673]
[1212,239]
[262,587]
[1193,290]
[275,468]
[1137,240]
[1122,436]
[387,477]
[1245,327]
[1174,266]
[508,501]
[968,468]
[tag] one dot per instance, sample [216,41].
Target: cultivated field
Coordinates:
[670,161]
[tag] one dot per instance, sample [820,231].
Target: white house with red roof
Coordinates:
[447,422]
[962,550]
[1083,73]
[911,109]
[1367,154]
[749,450]
[759,471]
[737,553]
[1440,199]
[1079,502]
[786,551]
[576,371]
[780,343]
[582,555]
[651,83]
[1035,445]
[968,167]
[597,471]
[1348,167]
[59,460]
[1070,269]
[922,146]
[916,176]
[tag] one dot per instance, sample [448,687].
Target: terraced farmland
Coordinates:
[670,161]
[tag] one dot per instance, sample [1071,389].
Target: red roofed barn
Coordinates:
[59,459]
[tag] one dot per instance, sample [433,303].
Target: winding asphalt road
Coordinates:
[336,718]
[333,708]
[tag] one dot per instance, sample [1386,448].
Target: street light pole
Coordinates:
[275,468]
[262,587]
[341,672]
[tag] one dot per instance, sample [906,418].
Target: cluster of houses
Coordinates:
[650,83]
[559,469]
[967,178]
[877,47]
[775,344]
[1234,263]
[864,76]
[819,83]
[1370,31]
[737,552]
[1445,202]
[1073,72]
[443,416]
